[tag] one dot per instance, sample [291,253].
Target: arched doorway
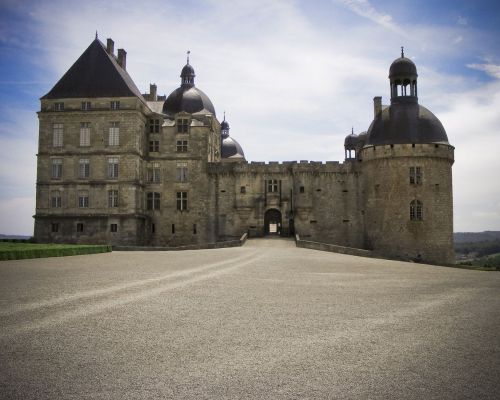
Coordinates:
[272,222]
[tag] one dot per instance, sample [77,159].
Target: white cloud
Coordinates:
[462,21]
[491,69]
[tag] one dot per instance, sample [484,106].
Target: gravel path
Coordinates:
[264,321]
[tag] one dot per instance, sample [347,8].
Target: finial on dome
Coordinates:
[96,34]
[224,115]
[352,130]
[402,52]
[188,53]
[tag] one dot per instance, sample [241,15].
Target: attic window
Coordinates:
[182,125]
[115,105]
[58,106]
[86,105]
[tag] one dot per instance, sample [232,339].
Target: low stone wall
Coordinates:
[217,245]
[307,244]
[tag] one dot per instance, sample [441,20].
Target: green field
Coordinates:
[18,251]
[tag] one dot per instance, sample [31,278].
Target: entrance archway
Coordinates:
[272,222]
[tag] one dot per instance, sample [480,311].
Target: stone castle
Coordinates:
[121,167]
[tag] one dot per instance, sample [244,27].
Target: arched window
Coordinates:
[416,213]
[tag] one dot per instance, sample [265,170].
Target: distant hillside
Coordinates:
[13,236]
[473,237]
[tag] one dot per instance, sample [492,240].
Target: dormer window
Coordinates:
[115,105]
[182,125]
[58,106]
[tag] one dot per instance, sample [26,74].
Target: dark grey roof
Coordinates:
[403,67]
[95,74]
[350,141]
[406,122]
[187,99]
[231,148]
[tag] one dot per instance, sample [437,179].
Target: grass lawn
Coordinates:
[17,251]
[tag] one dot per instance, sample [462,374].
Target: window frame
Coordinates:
[181,146]
[416,210]
[114,104]
[113,167]
[183,125]
[272,185]
[113,201]
[84,134]
[57,134]
[114,133]
[57,168]
[182,201]
[84,168]
[181,172]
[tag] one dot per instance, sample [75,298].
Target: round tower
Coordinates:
[407,177]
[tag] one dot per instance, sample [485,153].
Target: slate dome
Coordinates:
[402,67]
[230,148]
[406,122]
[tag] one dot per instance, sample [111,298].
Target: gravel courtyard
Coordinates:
[263,321]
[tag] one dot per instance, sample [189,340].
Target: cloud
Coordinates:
[462,21]
[365,9]
[492,70]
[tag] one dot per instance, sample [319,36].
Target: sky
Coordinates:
[294,77]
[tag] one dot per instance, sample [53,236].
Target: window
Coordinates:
[55,199]
[115,105]
[112,198]
[173,228]
[154,126]
[272,185]
[84,170]
[153,228]
[182,201]
[85,105]
[79,227]
[114,134]
[415,175]
[57,168]
[83,199]
[55,227]
[84,134]
[153,201]
[154,145]
[58,132]
[243,189]
[181,172]
[113,167]
[182,125]
[194,229]
[301,189]
[416,212]
[182,146]
[113,227]
[58,106]
[154,172]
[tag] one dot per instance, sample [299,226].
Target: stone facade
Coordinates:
[140,170]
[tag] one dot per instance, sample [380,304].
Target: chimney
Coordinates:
[152,92]
[110,46]
[377,105]
[122,58]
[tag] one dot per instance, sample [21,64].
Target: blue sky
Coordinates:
[293,77]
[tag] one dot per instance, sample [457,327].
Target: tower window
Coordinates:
[181,172]
[86,105]
[58,132]
[113,228]
[55,227]
[301,189]
[154,173]
[182,201]
[115,105]
[84,168]
[182,146]
[416,212]
[272,185]
[154,126]
[57,168]
[114,134]
[112,198]
[84,134]
[415,175]
[113,167]
[83,199]
[79,227]
[58,106]
[182,125]
[154,146]
[55,199]
[153,201]
[243,189]
[194,229]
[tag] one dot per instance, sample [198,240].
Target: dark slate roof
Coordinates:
[187,99]
[403,67]
[231,148]
[406,122]
[95,74]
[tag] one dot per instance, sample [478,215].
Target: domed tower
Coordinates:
[407,176]
[188,98]
[230,148]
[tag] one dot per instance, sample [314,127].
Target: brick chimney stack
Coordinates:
[110,46]
[122,58]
